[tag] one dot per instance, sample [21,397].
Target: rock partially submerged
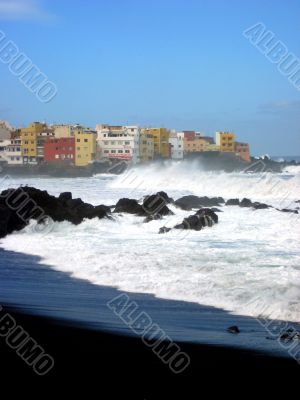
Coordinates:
[130,206]
[202,218]
[247,203]
[232,202]
[189,202]
[19,206]
[153,206]
[233,329]
[287,210]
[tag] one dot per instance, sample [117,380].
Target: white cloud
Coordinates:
[23,10]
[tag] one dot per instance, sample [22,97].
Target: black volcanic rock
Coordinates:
[233,329]
[153,206]
[246,203]
[287,210]
[130,206]
[232,202]
[65,196]
[19,206]
[203,212]
[191,201]
[260,206]
[156,204]
[204,217]
[164,229]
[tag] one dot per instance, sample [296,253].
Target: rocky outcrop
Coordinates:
[156,204]
[287,210]
[130,206]
[203,217]
[232,202]
[191,201]
[247,203]
[153,206]
[19,206]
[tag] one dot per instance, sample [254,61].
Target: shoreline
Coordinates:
[69,318]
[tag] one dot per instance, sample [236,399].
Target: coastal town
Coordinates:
[75,145]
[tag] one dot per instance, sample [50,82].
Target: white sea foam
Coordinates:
[249,263]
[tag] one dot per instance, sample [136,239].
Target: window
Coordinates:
[106,151]
[78,140]
[113,151]
[127,151]
[85,140]
[120,151]
[12,158]
[78,148]
[56,156]
[112,142]
[127,143]
[26,142]
[79,156]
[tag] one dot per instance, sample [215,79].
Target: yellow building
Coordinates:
[29,142]
[161,141]
[194,145]
[212,147]
[66,130]
[85,147]
[226,141]
[146,147]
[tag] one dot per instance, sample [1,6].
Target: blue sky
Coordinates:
[179,64]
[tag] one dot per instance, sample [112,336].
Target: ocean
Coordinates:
[248,264]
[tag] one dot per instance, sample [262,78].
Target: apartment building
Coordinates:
[226,141]
[119,142]
[161,141]
[85,147]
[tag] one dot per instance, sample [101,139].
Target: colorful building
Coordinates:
[119,142]
[14,151]
[161,141]
[42,137]
[226,141]
[243,151]
[198,144]
[85,147]
[29,142]
[176,144]
[66,130]
[212,147]
[59,150]
[146,147]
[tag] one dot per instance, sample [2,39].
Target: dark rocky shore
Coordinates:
[19,206]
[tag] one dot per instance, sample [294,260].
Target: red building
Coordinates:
[59,149]
[189,135]
[243,151]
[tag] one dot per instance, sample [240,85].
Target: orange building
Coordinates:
[243,151]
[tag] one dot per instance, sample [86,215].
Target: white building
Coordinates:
[176,142]
[119,142]
[10,152]
[14,153]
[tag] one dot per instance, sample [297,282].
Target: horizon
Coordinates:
[179,66]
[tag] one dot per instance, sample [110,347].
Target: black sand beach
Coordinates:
[69,318]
